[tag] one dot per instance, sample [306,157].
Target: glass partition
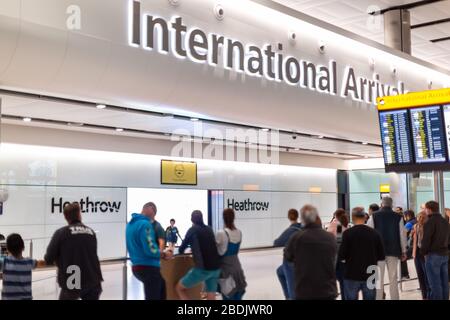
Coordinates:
[364,187]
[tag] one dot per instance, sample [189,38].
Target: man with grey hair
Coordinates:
[393,233]
[315,274]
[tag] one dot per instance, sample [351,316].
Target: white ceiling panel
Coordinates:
[53,114]
[352,16]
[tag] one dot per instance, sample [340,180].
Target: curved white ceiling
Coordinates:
[39,54]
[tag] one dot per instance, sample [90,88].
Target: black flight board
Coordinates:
[395,136]
[428,135]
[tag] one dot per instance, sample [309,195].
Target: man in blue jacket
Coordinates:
[145,254]
[285,271]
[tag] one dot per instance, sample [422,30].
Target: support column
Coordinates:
[439,196]
[397,30]
[397,35]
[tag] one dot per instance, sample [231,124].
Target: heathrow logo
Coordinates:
[87,205]
[247,205]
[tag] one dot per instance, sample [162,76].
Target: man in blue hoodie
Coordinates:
[145,254]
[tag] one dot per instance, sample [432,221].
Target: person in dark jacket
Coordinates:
[202,241]
[391,227]
[285,271]
[313,252]
[361,249]
[436,234]
[74,250]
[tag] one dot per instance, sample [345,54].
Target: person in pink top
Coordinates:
[340,218]
[337,226]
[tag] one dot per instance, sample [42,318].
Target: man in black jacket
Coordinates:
[74,250]
[361,249]
[202,241]
[392,230]
[313,251]
[435,240]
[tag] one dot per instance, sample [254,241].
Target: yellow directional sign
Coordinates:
[414,99]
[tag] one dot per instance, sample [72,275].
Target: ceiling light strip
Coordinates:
[99,127]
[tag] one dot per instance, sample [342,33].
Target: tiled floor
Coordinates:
[259,267]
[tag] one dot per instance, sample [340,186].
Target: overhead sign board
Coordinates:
[178,172]
[414,99]
[415,131]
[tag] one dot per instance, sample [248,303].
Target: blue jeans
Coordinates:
[419,262]
[352,288]
[285,274]
[340,269]
[436,267]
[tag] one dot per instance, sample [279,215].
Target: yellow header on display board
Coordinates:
[414,99]
[178,172]
[385,188]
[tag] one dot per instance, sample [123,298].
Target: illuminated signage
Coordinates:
[415,99]
[248,205]
[87,205]
[385,188]
[269,61]
[178,172]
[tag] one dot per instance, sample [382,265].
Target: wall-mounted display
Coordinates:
[415,131]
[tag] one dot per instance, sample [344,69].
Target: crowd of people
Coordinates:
[357,255]
[316,259]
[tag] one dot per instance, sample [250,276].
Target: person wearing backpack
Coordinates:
[232,279]
[285,271]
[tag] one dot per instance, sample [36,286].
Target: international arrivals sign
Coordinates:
[174,37]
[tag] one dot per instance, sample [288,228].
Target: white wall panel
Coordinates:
[27,165]
[28,211]
[261,227]
[33,175]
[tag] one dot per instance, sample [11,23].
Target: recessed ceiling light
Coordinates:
[365,143]
[75,124]
[26,119]
[297,149]
[320,137]
[101,106]
[119,129]
[336,153]
[195,119]
[265,129]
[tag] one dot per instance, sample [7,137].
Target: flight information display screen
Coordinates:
[429,137]
[395,136]
[446,109]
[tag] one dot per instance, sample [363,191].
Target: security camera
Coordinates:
[294,137]
[372,63]
[219,12]
[321,46]
[394,70]
[292,36]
